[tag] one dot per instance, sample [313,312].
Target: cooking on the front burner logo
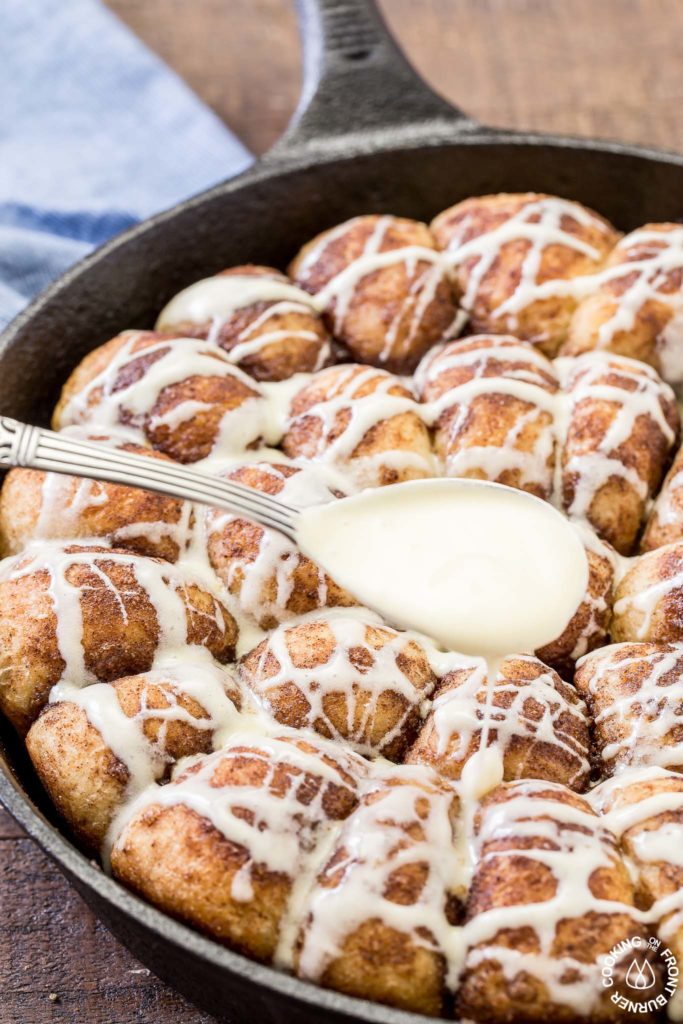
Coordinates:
[642,973]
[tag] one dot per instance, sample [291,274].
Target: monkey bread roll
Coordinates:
[493,405]
[267,326]
[96,746]
[645,809]
[536,721]
[184,396]
[81,613]
[348,677]
[50,506]
[522,261]
[588,628]
[637,307]
[221,846]
[648,601]
[621,425]
[265,571]
[362,422]
[665,523]
[377,922]
[382,287]
[551,896]
[635,695]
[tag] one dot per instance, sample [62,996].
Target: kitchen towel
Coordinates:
[95,134]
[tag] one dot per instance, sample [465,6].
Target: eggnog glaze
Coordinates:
[475,565]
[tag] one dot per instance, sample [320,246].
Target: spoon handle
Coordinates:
[36,448]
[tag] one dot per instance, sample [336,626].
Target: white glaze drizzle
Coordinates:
[191,674]
[538,222]
[177,360]
[62,506]
[651,271]
[280,829]
[649,846]
[363,685]
[637,721]
[162,584]
[337,295]
[364,413]
[538,711]
[266,582]
[405,819]
[573,844]
[213,300]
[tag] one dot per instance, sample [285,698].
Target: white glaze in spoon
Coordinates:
[482,568]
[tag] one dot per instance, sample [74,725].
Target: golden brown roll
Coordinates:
[648,601]
[637,308]
[100,745]
[347,677]
[588,628]
[493,402]
[378,919]
[665,523]
[622,424]
[536,721]
[645,809]
[84,613]
[221,846]
[550,897]
[519,260]
[383,290]
[269,328]
[184,396]
[264,570]
[362,422]
[635,696]
[51,506]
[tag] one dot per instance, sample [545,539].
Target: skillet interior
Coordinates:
[264,217]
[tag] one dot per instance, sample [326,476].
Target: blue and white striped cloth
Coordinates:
[95,134]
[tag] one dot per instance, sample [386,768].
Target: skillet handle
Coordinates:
[356,80]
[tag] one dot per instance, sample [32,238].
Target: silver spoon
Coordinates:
[36,448]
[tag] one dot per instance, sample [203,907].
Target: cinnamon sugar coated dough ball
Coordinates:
[637,309]
[162,716]
[266,325]
[349,679]
[648,601]
[82,613]
[380,913]
[647,808]
[385,294]
[589,627]
[50,506]
[184,396]
[514,257]
[633,692]
[492,423]
[231,874]
[363,422]
[266,572]
[665,523]
[622,426]
[527,712]
[542,850]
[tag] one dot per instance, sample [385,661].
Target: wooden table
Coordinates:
[611,69]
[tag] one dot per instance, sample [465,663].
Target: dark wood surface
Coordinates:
[611,68]
[588,67]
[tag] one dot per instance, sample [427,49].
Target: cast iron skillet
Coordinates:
[368,137]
